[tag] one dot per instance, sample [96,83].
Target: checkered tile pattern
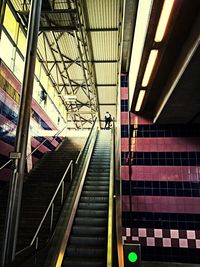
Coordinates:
[163,237]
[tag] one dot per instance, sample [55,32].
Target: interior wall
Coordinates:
[161,189]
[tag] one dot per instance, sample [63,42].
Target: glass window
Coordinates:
[21,43]
[6,50]
[19,67]
[10,23]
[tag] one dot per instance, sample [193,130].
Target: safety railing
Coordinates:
[51,207]
[110,206]
[63,229]
[46,139]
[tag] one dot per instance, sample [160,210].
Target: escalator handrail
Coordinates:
[110,205]
[54,137]
[57,255]
[81,152]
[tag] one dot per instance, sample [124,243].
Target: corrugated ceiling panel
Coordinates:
[105,45]
[76,73]
[106,73]
[103,13]
[107,94]
[68,46]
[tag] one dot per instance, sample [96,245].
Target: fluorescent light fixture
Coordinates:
[140,100]
[142,22]
[149,67]
[164,17]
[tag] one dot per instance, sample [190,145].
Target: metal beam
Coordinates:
[78,61]
[16,185]
[57,28]
[2,13]
[102,29]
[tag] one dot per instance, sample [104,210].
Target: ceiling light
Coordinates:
[164,17]
[149,67]
[140,31]
[140,100]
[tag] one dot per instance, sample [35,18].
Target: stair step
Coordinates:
[80,262]
[84,251]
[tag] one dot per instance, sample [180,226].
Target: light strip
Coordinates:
[149,67]
[140,100]
[164,17]
[140,31]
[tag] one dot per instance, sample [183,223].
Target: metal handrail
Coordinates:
[61,184]
[51,202]
[81,152]
[110,206]
[54,137]
[55,257]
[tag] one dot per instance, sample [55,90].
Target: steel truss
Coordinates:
[58,66]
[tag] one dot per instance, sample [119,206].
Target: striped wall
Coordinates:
[161,186]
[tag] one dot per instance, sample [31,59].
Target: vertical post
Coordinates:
[2,13]
[16,184]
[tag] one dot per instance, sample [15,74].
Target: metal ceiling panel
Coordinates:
[107,94]
[103,14]
[105,45]
[106,73]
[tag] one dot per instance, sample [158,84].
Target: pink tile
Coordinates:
[183,243]
[158,233]
[142,232]
[151,241]
[167,242]
[191,234]
[197,243]
[174,233]
[128,231]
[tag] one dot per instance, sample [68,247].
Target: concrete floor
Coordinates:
[168,264]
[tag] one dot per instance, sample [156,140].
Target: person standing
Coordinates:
[108,120]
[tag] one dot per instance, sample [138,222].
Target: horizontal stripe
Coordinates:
[124,92]
[158,188]
[161,204]
[163,158]
[162,173]
[159,130]
[124,105]
[172,144]
[161,220]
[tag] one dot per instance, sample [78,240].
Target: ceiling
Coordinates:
[78,45]
[173,92]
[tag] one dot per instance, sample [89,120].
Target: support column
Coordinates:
[16,183]
[2,13]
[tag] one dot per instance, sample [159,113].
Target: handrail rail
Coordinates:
[5,164]
[51,202]
[54,137]
[110,207]
[81,152]
[56,256]
[55,194]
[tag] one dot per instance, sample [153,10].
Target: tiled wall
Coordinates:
[161,189]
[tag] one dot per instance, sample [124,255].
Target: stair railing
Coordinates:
[51,206]
[54,137]
[63,229]
[110,205]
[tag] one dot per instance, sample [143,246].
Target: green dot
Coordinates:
[132,257]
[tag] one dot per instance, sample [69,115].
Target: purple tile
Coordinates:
[158,242]
[175,242]
[166,233]
[182,234]
[150,232]
[191,243]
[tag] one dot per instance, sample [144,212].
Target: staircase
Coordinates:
[38,189]
[87,246]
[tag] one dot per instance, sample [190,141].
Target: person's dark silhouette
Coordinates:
[108,120]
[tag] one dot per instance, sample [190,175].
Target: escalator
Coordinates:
[87,244]
[81,236]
